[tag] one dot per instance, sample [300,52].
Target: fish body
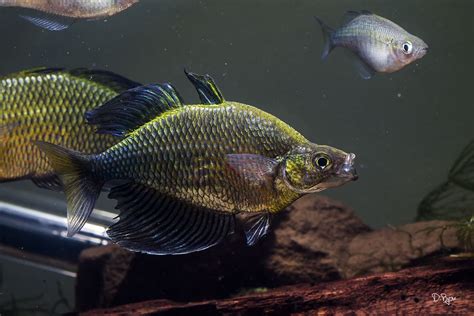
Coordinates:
[49,105]
[380,44]
[81,9]
[58,15]
[183,155]
[187,170]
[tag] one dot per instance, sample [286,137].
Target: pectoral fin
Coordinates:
[253,168]
[154,223]
[364,70]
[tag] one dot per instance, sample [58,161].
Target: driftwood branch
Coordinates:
[407,292]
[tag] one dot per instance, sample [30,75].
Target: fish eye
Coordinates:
[322,161]
[407,47]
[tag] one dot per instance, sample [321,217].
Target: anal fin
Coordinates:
[50,22]
[154,223]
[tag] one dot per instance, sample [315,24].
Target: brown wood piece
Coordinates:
[406,292]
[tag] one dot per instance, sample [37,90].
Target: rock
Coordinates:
[319,239]
[97,275]
[412,291]
[309,239]
[391,248]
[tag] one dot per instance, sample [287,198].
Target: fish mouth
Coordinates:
[348,170]
[422,51]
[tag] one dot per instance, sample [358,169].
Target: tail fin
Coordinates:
[327,37]
[80,186]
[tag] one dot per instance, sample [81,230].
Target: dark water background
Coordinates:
[406,128]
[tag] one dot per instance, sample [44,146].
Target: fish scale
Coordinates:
[170,134]
[41,106]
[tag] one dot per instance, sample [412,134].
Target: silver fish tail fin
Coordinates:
[327,37]
[81,187]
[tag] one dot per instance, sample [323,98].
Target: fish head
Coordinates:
[317,167]
[406,49]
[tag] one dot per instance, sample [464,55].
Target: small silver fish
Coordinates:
[56,15]
[380,44]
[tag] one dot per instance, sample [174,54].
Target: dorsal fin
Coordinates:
[133,108]
[106,78]
[207,89]
[351,15]
[41,70]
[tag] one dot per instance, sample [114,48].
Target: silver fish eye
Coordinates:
[407,47]
[322,161]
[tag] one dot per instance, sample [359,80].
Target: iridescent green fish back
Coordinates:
[47,106]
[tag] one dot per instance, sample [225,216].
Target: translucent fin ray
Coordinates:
[153,223]
[134,108]
[81,189]
[207,89]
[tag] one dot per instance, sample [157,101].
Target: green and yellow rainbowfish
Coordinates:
[187,170]
[49,105]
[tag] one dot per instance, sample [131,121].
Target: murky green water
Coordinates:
[406,128]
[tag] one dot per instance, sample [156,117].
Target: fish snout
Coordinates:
[422,50]
[348,170]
